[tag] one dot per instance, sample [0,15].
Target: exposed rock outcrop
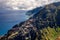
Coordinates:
[44,25]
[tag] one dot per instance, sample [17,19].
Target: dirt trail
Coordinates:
[58,38]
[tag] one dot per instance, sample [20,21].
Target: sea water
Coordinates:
[9,18]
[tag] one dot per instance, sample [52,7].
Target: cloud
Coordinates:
[23,4]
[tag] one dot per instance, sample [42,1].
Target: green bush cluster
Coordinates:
[50,33]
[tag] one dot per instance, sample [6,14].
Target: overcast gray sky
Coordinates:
[11,11]
[23,4]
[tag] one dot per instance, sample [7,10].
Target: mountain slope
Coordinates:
[44,25]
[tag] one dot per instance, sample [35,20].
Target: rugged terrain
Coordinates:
[44,25]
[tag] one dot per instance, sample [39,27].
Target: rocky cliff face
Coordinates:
[44,25]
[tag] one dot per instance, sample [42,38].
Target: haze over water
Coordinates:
[11,11]
[9,18]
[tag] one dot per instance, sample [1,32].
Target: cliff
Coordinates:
[44,25]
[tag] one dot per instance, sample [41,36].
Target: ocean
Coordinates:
[9,18]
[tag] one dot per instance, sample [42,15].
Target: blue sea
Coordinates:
[8,18]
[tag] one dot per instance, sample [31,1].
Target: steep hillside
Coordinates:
[44,25]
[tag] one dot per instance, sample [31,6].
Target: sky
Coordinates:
[13,11]
[23,4]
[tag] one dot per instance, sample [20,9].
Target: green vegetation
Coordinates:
[50,33]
